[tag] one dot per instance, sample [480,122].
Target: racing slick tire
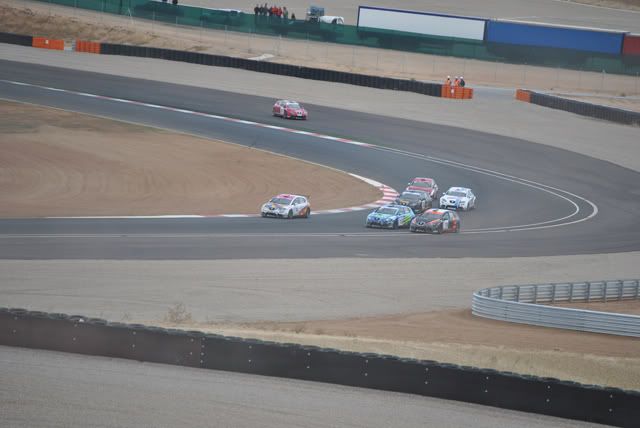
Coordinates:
[290,215]
[307,212]
[263,215]
[439,229]
[395,225]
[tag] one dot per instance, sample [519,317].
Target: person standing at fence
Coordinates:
[447,81]
[285,13]
[462,82]
[456,82]
[293,16]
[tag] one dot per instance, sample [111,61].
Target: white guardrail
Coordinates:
[532,304]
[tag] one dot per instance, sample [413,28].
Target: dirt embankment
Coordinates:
[58,163]
[456,336]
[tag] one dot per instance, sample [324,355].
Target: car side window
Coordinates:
[445,217]
[297,201]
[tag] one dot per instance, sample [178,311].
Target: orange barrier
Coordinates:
[523,95]
[44,43]
[456,92]
[84,46]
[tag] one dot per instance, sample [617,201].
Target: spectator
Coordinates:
[462,82]
[174,2]
[285,12]
[448,81]
[293,16]
[456,81]
[256,10]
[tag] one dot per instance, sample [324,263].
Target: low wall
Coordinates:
[547,396]
[611,114]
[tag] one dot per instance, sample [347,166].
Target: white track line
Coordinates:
[389,194]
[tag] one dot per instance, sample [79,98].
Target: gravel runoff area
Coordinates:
[64,22]
[60,163]
[493,110]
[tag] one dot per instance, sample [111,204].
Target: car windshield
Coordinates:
[424,184]
[293,105]
[429,217]
[410,196]
[458,194]
[387,210]
[281,201]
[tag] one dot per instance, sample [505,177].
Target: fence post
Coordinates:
[606,285]
[588,291]
[500,295]
[535,293]
[517,293]
[602,81]
[621,289]
[553,293]
[571,292]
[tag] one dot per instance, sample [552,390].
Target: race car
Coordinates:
[417,200]
[436,221]
[424,184]
[458,198]
[286,206]
[390,217]
[289,110]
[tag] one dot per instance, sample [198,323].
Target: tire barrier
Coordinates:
[525,304]
[84,46]
[582,108]
[92,336]
[16,39]
[425,88]
[456,92]
[45,43]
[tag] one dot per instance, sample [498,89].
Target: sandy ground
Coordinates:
[38,18]
[68,164]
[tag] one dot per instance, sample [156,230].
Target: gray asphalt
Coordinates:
[52,389]
[409,149]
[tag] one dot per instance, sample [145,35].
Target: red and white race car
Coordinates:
[289,110]
[424,184]
[286,206]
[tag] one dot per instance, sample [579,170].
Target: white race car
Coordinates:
[458,198]
[286,206]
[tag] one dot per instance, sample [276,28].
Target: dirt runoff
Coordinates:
[456,336]
[58,163]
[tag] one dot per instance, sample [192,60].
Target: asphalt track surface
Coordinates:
[52,389]
[517,183]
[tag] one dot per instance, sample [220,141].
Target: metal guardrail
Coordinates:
[528,304]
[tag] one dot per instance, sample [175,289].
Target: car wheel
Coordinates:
[307,212]
[440,229]
[263,214]
[395,225]
[290,214]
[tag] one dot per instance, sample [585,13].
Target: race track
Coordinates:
[532,199]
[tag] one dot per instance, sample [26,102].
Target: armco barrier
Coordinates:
[525,304]
[16,39]
[45,43]
[424,88]
[611,114]
[92,336]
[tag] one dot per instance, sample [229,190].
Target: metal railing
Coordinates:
[528,304]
